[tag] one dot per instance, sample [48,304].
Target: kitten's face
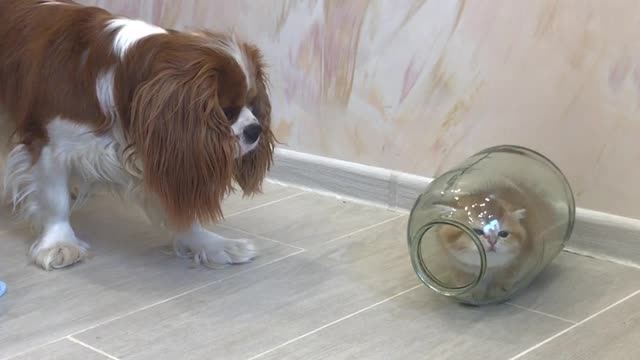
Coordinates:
[497,225]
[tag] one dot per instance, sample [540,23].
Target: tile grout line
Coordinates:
[300,250]
[363,229]
[266,204]
[184,293]
[334,322]
[160,302]
[260,237]
[541,313]
[83,344]
[520,355]
[601,257]
[322,244]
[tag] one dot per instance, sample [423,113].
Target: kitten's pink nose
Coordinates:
[492,242]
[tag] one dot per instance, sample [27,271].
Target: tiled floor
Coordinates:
[333,282]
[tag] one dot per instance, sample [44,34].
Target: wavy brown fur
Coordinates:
[178,128]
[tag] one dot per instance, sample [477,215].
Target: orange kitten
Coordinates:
[501,227]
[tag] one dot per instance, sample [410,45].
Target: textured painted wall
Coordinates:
[418,85]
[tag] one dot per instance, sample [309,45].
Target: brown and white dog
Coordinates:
[169,119]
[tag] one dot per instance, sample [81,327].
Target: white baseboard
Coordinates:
[596,234]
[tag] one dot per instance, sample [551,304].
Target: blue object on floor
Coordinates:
[3,288]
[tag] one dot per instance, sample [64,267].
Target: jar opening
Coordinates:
[449,257]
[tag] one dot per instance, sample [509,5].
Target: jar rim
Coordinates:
[431,280]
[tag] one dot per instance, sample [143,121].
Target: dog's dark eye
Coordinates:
[503,234]
[231,112]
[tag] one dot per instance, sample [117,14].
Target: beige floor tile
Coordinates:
[613,335]
[13,248]
[574,287]
[422,325]
[308,220]
[61,350]
[272,192]
[245,311]
[129,271]
[254,312]
[6,222]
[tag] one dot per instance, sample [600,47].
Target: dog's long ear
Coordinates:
[184,141]
[253,167]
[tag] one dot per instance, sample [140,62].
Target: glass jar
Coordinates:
[483,231]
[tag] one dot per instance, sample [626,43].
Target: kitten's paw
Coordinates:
[479,294]
[496,292]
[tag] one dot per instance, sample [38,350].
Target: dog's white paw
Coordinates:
[58,248]
[214,251]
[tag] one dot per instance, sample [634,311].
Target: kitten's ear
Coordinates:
[445,209]
[520,214]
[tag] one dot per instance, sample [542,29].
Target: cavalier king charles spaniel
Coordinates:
[172,120]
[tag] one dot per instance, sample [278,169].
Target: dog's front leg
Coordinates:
[201,245]
[40,190]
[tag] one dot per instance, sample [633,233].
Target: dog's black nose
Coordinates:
[252,132]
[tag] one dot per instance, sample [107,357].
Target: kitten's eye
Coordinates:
[479,232]
[503,234]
